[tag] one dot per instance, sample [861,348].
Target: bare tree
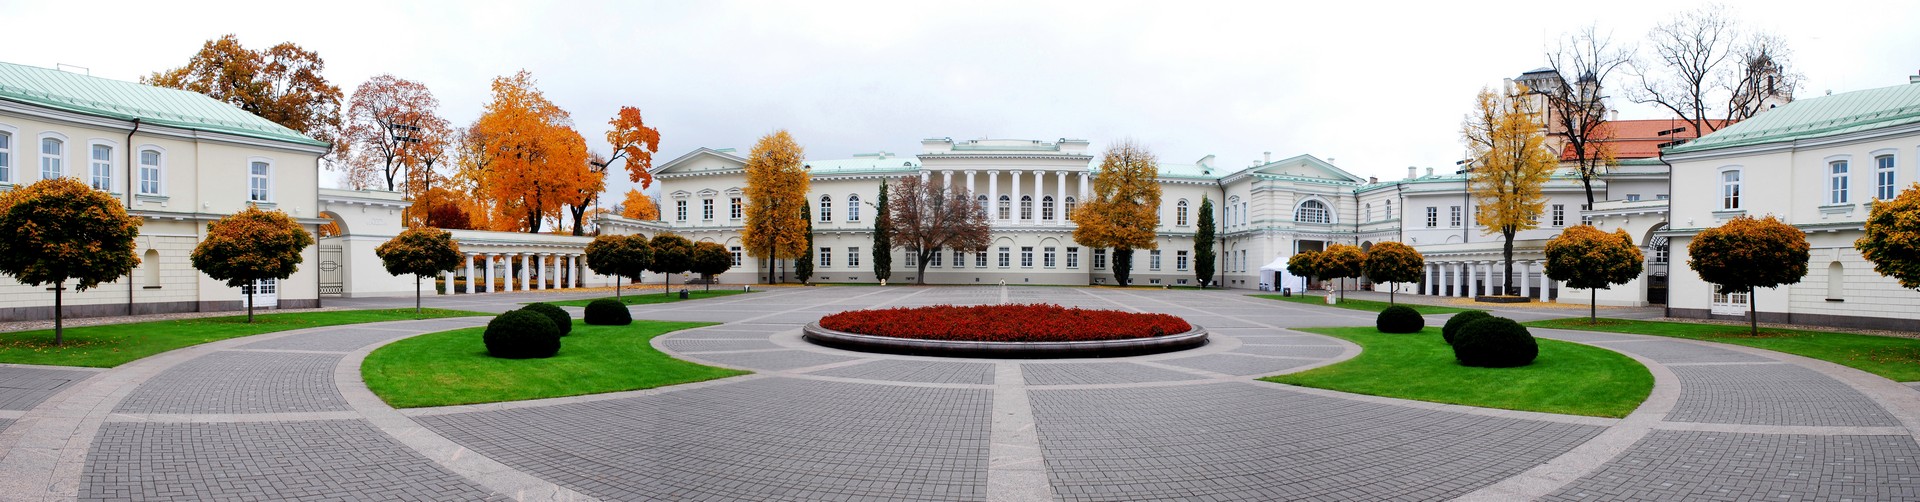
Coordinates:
[1700,59]
[928,218]
[1578,112]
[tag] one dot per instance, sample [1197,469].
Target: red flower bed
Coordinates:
[1005,323]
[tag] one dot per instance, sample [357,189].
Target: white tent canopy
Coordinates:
[1274,276]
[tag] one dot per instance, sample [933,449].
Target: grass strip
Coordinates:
[1895,358]
[452,367]
[109,345]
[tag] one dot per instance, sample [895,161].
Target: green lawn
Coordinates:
[452,367]
[110,345]
[1567,378]
[648,296]
[1897,359]
[1355,304]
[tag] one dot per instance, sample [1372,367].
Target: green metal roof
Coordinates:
[127,101]
[862,163]
[1817,117]
[1189,171]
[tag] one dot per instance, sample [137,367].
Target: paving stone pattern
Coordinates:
[242,382]
[1097,373]
[310,460]
[917,371]
[1238,364]
[344,339]
[1771,394]
[23,388]
[1687,465]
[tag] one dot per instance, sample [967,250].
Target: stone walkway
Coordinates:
[284,416]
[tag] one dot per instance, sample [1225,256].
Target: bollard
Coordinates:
[1287,292]
[683,293]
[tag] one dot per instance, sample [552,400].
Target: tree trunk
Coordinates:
[416,294]
[920,269]
[666,279]
[1342,288]
[59,327]
[1753,313]
[616,287]
[709,281]
[1506,280]
[1593,306]
[1390,293]
[251,285]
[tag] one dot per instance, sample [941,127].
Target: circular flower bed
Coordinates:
[1005,331]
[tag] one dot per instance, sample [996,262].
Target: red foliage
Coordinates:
[1005,323]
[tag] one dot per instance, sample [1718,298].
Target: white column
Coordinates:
[1426,287]
[526,271]
[573,271]
[1544,282]
[1525,270]
[1015,213]
[993,195]
[946,179]
[1444,282]
[553,268]
[506,272]
[1060,200]
[489,274]
[1465,289]
[1084,186]
[1039,188]
[972,189]
[449,281]
[470,282]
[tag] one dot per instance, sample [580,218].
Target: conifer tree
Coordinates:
[882,239]
[1203,244]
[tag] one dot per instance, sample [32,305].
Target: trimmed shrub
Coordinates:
[1495,342]
[607,312]
[522,334]
[1399,319]
[1451,329]
[1005,323]
[561,319]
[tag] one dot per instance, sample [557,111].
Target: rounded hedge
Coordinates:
[561,320]
[1400,319]
[1451,329]
[606,312]
[522,334]
[1495,342]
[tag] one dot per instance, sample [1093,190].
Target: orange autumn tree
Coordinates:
[1125,208]
[282,84]
[638,206]
[1586,258]
[246,247]
[59,230]
[1510,165]
[1341,261]
[1892,240]
[1746,254]
[392,123]
[777,181]
[422,252]
[633,142]
[534,160]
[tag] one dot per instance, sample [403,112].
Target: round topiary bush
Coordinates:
[1400,319]
[561,320]
[1495,342]
[522,334]
[1451,329]
[608,313]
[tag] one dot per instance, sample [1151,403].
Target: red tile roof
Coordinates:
[1640,139]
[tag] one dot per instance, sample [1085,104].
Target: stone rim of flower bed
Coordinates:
[1006,350]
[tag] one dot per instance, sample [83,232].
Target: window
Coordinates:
[1389,212]
[1883,177]
[736,253]
[102,165]
[150,172]
[853,257]
[1659,245]
[1026,207]
[259,181]
[853,208]
[736,209]
[1433,217]
[1069,208]
[933,259]
[1073,257]
[6,158]
[1046,208]
[984,208]
[1046,257]
[1026,256]
[1006,208]
[680,209]
[913,256]
[1368,212]
[1453,216]
[1180,260]
[1585,218]
[53,153]
[1153,260]
[1180,213]
[826,257]
[1660,197]
[706,209]
[1312,211]
[1730,190]
[1837,181]
[959,259]
[1559,215]
[1243,213]
[1100,259]
[1006,255]
[826,209]
[1724,303]
[1633,197]
[980,258]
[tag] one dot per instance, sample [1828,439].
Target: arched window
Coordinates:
[826,208]
[1233,210]
[1026,207]
[150,171]
[1046,208]
[259,180]
[100,159]
[984,207]
[853,208]
[1006,208]
[1312,211]
[53,158]
[1180,213]
[1883,177]
[1730,189]
[1069,209]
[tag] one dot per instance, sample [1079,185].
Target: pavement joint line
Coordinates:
[742,351]
[1452,408]
[1264,356]
[1211,375]
[52,367]
[12,414]
[585,398]
[290,351]
[472,465]
[896,383]
[229,418]
[1729,363]
[1016,469]
[1805,430]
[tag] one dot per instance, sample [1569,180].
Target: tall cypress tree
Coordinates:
[883,239]
[1203,244]
[803,266]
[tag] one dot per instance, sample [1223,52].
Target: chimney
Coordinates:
[1266,157]
[1913,79]
[1410,172]
[1372,180]
[1613,114]
[1429,171]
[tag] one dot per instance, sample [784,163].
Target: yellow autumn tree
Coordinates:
[777,182]
[534,161]
[638,206]
[1510,166]
[1125,210]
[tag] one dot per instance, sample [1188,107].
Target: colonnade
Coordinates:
[564,270]
[1037,193]
[1468,278]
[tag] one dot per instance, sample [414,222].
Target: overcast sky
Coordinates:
[1373,86]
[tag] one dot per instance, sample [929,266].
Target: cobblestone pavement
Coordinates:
[284,416]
